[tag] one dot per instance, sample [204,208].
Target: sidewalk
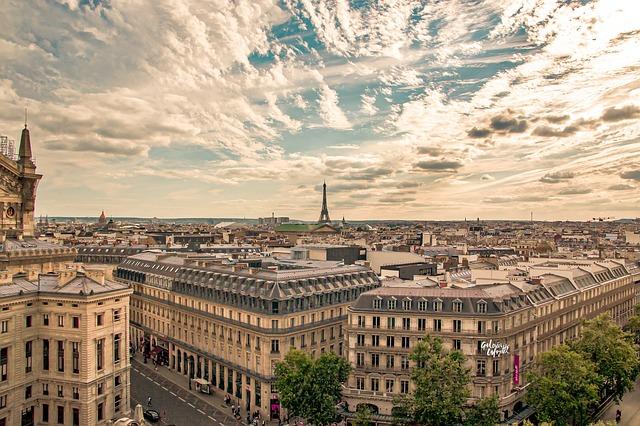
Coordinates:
[214,400]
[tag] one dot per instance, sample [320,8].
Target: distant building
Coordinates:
[102,220]
[341,253]
[303,229]
[406,271]
[324,212]
[273,220]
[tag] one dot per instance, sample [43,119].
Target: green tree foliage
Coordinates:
[440,378]
[612,351]
[311,388]
[363,416]
[563,387]
[484,413]
[633,326]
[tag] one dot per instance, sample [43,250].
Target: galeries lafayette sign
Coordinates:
[494,349]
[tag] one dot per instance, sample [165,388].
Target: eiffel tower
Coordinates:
[324,213]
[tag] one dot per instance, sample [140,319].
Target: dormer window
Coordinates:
[457,305]
[377,303]
[437,305]
[422,305]
[482,307]
[406,304]
[391,303]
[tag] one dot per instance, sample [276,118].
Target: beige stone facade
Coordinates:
[499,327]
[231,324]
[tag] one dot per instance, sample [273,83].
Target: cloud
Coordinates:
[547,131]
[556,119]
[478,133]
[96,145]
[487,177]
[433,151]
[623,113]
[620,187]
[515,199]
[438,165]
[504,122]
[369,173]
[368,104]
[330,111]
[344,146]
[575,191]
[631,174]
[555,177]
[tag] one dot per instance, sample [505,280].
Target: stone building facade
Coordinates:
[499,327]
[230,324]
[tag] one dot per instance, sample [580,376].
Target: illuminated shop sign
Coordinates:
[494,349]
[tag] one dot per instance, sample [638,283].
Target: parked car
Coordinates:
[152,415]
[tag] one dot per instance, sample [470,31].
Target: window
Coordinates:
[76,322]
[404,362]
[457,326]
[360,383]
[391,323]
[117,380]
[116,403]
[116,348]
[27,322]
[437,305]
[494,326]
[360,321]
[482,307]
[391,304]
[388,385]
[422,324]
[457,344]
[360,340]
[116,315]
[482,327]
[275,346]
[437,325]
[406,304]
[60,391]
[375,385]
[4,361]
[45,319]
[60,415]
[27,392]
[45,413]
[404,386]
[359,359]
[391,341]
[457,306]
[274,324]
[60,355]
[100,354]
[45,388]
[376,322]
[377,303]
[76,417]
[391,360]
[422,305]
[496,367]
[60,320]
[3,401]
[406,323]
[45,355]
[75,356]
[100,388]
[99,319]
[5,326]
[100,411]
[28,354]
[481,367]
[375,340]
[375,360]
[405,342]
[76,392]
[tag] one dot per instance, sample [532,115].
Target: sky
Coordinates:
[425,110]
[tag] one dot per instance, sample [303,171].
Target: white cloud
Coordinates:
[330,111]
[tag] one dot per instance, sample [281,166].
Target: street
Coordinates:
[630,408]
[182,408]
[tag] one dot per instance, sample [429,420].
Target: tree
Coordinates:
[633,326]
[613,353]
[363,416]
[563,386]
[484,413]
[311,388]
[440,378]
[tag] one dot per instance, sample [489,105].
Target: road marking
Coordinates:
[173,394]
[191,405]
[164,388]
[201,412]
[181,399]
[142,374]
[211,417]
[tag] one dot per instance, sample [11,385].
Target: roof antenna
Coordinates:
[25,117]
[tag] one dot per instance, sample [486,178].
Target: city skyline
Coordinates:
[422,112]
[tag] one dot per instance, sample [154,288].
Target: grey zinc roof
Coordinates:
[48,283]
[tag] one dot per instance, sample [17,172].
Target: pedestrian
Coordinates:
[263,423]
[233,408]
[164,414]
[618,416]
[149,402]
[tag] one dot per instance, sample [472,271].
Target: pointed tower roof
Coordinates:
[24,152]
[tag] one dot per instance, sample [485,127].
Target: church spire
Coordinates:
[324,213]
[24,152]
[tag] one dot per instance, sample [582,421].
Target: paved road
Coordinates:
[630,408]
[182,407]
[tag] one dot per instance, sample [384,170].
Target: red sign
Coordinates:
[516,369]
